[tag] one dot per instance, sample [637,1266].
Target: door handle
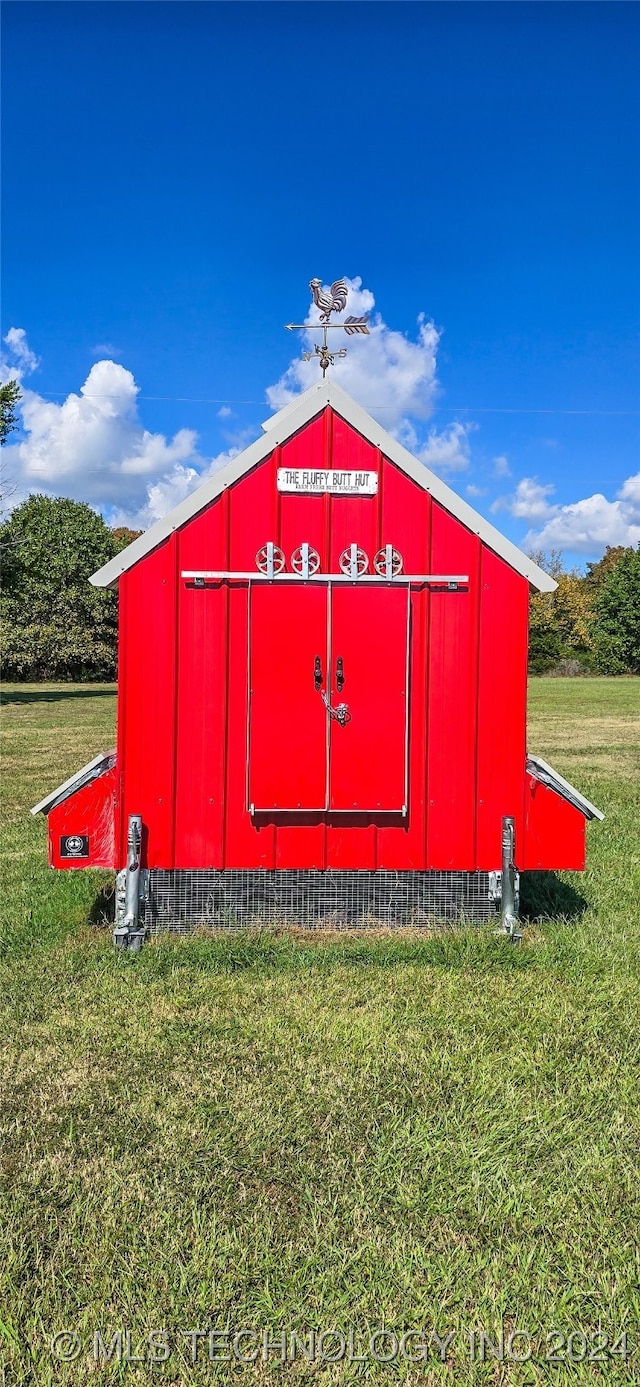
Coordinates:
[339,674]
[317,672]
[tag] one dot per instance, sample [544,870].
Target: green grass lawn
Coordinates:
[437,1133]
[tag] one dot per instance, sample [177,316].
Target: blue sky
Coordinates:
[174,174]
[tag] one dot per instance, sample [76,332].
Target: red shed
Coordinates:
[321,696]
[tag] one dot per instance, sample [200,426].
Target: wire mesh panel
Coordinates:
[183,900]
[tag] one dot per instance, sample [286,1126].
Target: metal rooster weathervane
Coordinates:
[332,301]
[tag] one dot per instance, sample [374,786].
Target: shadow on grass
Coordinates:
[272,949]
[543,895]
[103,907]
[52,695]
[270,952]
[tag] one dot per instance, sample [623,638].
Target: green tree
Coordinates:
[545,649]
[616,616]
[9,399]
[54,624]
[123,536]
[560,622]
[596,572]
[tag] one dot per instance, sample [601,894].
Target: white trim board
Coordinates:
[278,430]
[84,776]
[542,771]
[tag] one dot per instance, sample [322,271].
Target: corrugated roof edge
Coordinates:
[548,776]
[84,776]
[281,427]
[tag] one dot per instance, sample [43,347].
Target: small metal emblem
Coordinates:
[74,845]
[331,301]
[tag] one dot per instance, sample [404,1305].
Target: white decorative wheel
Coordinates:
[305,560]
[388,562]
[270,559]
[354,561]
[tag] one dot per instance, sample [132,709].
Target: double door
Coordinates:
[328,698]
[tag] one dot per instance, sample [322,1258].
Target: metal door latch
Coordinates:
[341,714]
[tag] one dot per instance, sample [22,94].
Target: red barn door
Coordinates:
[313,645]
[287,718]
[369,644]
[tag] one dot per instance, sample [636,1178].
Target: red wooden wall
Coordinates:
[555,831]
[183,681]
[89,813]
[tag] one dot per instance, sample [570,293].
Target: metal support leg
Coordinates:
[510,881]
[128,934]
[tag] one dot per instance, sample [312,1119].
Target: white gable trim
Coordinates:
[280,428]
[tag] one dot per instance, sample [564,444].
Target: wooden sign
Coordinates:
[315,481]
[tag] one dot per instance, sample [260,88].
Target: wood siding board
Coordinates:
[501,705]
[303,520]
[476,708]
[405,522]
[354,520]
[121,714]
[252,521]
[149,706]
[452,699]
[177,661]
[201,704]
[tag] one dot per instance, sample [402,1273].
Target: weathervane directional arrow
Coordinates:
[350,325]
[333,300]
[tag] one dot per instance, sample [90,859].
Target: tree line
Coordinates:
[591,623]
[55,625]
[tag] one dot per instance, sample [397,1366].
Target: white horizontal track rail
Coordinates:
[437,579]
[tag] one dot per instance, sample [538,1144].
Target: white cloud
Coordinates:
[386,372]
[94,447]
[473,490]
[391,376]
[105,349]
[629,494]
[168,491]
[585,526]
[501,466]
[21,361]
[529,500]
[447,451]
